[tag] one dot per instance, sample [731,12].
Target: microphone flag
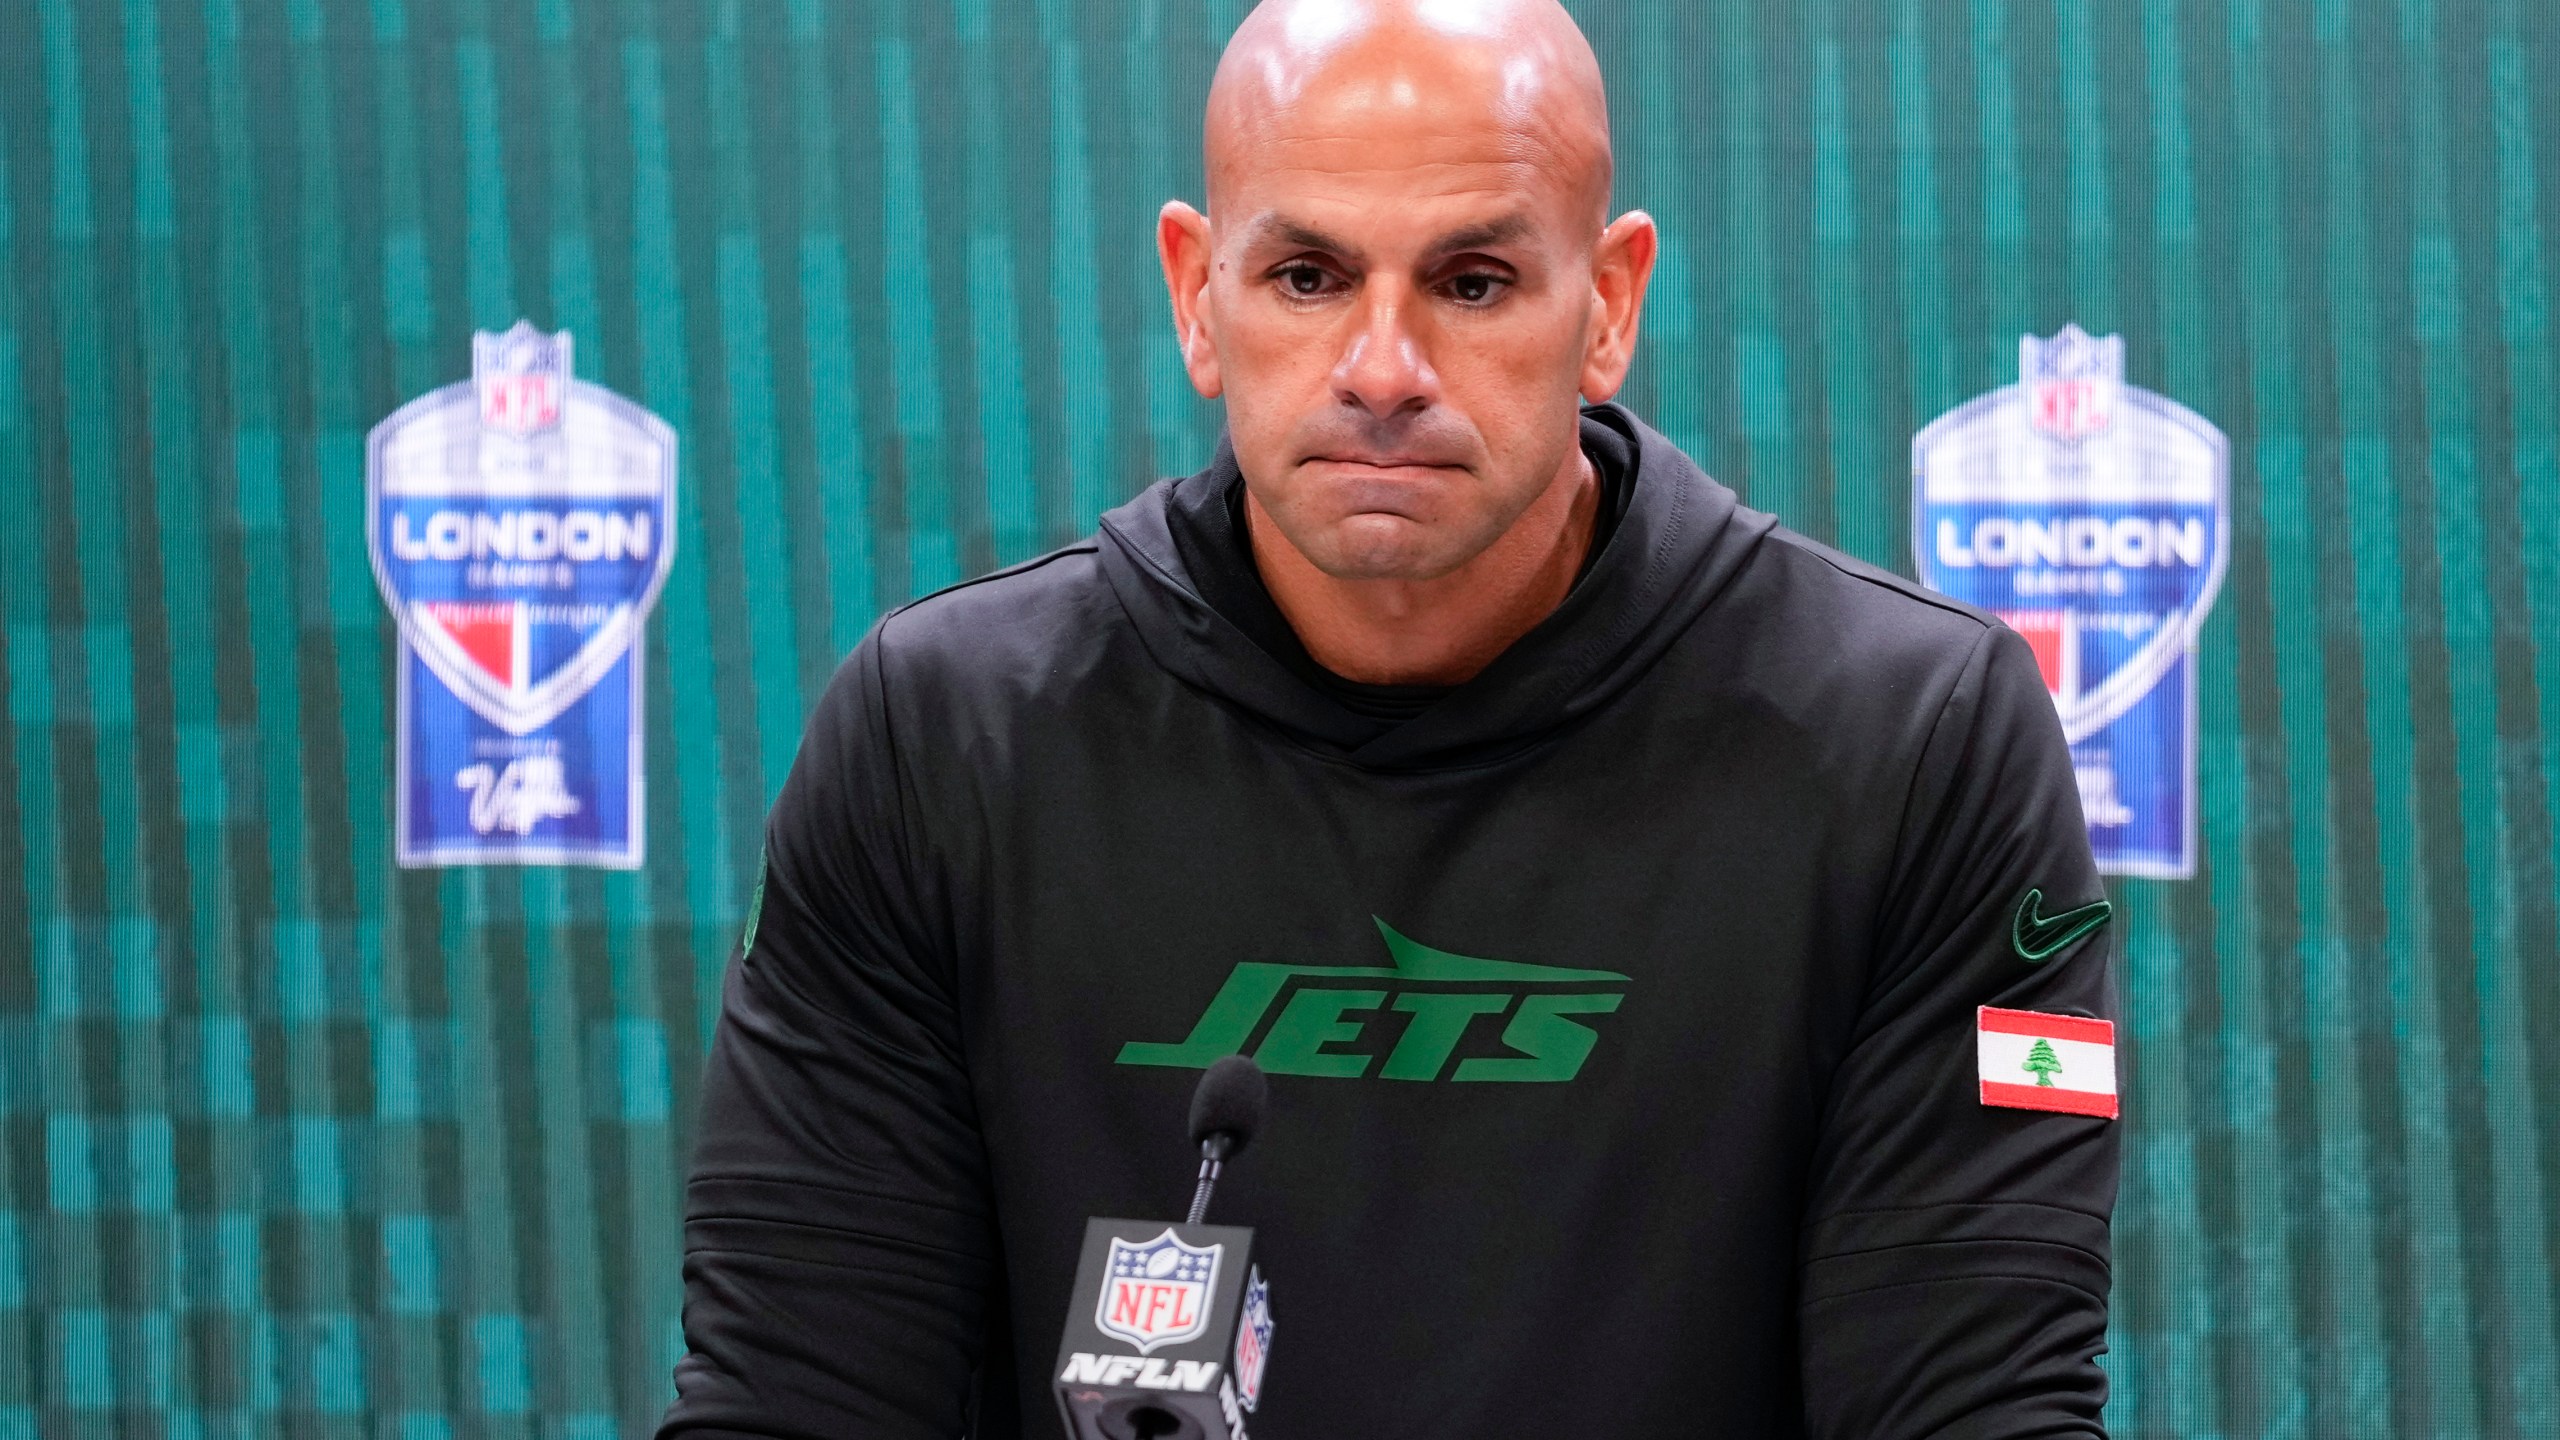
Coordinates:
[1158,1330]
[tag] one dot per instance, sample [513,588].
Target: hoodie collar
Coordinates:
[1680,537]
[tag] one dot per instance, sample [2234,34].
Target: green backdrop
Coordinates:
[301,1143]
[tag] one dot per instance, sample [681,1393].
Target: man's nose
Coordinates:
[1385,368]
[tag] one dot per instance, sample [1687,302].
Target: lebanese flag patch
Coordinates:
[2034,1061]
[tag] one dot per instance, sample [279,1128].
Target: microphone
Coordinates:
[1225,1111]
[1169,1326]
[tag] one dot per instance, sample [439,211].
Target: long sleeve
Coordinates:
[839,1257]
[1955,1255]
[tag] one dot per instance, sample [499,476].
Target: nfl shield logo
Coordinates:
[522,378]
[1253,1340]
[2072,382]
[2092,518]
[1157,1292]
[520,528]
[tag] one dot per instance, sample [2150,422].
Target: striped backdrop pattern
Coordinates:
[293,1142]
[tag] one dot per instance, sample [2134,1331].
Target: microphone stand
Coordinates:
[1213,1153]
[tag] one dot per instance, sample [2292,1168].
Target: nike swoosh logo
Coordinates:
[2038,937]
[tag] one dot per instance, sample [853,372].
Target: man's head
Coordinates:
[1407,277]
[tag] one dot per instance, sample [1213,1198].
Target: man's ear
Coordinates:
[1621,266]
[1182,241]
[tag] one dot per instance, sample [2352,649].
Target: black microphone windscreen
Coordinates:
[1229,1102]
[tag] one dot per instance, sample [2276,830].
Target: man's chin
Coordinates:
[1399,549]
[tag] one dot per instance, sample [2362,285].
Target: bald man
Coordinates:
[1675,945]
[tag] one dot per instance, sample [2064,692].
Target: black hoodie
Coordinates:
[1620,1005]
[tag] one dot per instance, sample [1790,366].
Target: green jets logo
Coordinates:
[1439,998]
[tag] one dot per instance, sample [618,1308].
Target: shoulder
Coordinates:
[1862,667]
[1888,603]
[1869,659]
[1825,615]
[999,642]
[1049,599]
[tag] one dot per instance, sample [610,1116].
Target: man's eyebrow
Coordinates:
[1279,230]
[1479,237]
[1276,230]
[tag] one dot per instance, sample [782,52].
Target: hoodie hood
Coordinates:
[1681,538]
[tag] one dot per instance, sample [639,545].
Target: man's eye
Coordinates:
[1474,289]
[1303,280]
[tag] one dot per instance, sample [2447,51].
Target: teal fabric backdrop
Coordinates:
[297,1142]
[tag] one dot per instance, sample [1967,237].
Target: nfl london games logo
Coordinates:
[2092,518]
[1157,1292]
[520,525]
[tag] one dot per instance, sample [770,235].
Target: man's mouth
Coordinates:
[1385,462]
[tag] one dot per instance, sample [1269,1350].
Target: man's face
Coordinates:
[1399,309]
